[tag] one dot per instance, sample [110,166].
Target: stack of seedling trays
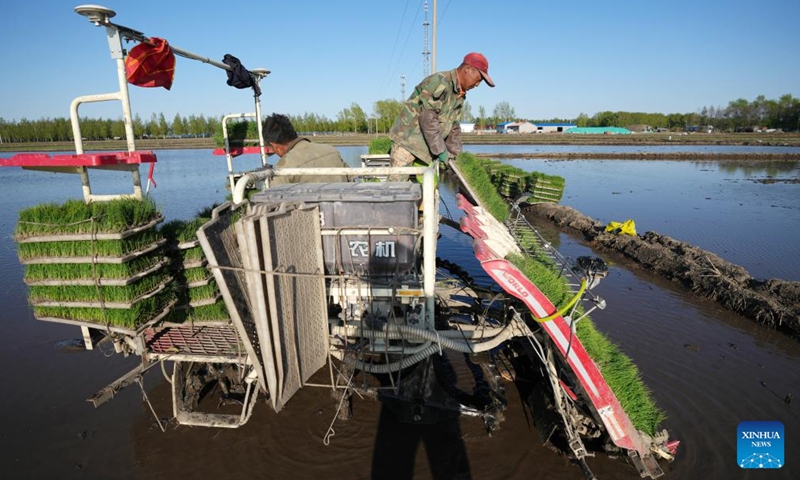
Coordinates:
[198,297]
[98,265]
[198,329]
[511,182]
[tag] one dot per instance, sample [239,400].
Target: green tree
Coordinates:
[163,127]
[138,126]
[117,128]
[359,118]
[504,112]
[177,125]
[466,113]
[386,111]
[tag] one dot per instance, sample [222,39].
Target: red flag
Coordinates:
[151,64]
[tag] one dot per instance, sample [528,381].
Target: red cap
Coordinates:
[480,63]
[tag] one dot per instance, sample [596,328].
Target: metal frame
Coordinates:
[233,176]
[100,16]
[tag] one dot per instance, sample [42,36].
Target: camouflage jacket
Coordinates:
[429,122]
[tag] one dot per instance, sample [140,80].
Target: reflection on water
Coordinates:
[705,366]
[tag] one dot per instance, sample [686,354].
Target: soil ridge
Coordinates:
[772,302]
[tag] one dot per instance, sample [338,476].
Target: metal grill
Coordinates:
[296,247]
[292,302]
[195,341]
[221,248]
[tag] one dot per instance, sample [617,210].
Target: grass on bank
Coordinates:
[621,374]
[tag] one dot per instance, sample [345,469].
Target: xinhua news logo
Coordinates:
[760,445]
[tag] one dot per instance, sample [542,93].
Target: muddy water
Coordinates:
[708,370]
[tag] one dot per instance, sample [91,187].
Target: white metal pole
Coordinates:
[430,223]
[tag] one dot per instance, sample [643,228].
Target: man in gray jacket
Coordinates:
[300,152]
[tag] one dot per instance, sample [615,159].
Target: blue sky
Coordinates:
[548,59]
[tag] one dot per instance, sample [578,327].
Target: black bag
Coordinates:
[238,76]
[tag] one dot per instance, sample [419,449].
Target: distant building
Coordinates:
[599,130]
[553,127]
[467,127]
[640,128]
[503,127]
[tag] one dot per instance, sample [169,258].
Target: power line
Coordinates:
[413,22]
[426,54]
[394,47]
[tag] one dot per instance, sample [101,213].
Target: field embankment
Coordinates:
[773,302]
[643,139]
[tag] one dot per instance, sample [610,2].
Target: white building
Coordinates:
[467,127]
[553,127]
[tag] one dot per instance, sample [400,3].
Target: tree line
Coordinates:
[738,115]
[783,113]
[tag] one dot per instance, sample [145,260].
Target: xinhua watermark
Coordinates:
[760,445]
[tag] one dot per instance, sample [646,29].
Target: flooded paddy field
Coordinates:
[708,369]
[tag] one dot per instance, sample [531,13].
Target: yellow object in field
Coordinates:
[628,227]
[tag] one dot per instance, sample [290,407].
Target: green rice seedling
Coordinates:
[196,274]
[86,248]
[112,294]
[170,230]
[206,213]
[77,217]
[618,369]
[208,313]
[238,133]
[191,254]
[204,292]
[544,276]
[216,312]
[623,377]
[182,231]
[527,241]
[52,218]
[476,175]
[141,312]
[83,271]
[119,215]
[380,145]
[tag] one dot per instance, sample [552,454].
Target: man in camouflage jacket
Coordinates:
[428,126]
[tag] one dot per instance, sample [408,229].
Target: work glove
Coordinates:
[444,158]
